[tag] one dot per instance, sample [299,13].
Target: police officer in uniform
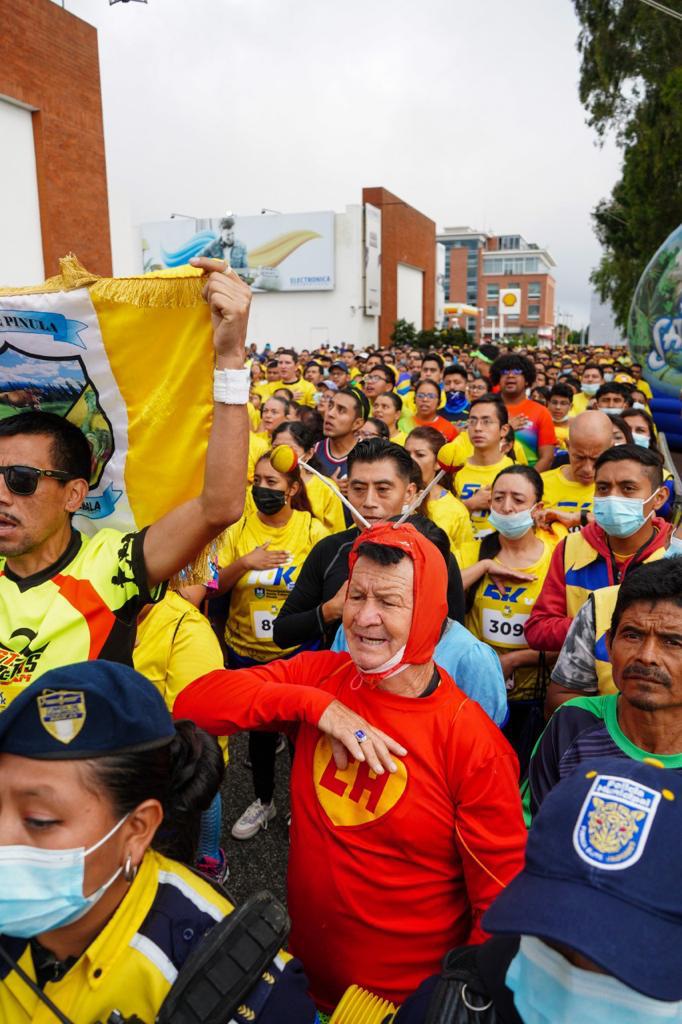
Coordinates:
[99,794]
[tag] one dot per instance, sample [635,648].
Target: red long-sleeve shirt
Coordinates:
[388,872]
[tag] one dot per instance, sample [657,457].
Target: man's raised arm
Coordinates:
[176,539]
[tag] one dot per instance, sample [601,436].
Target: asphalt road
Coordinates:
[261,862]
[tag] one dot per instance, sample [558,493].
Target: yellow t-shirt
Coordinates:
[561,431]
[258,595]
[451,515]
[580,403]
[174,646]
[499,618]
[464,450]
[326,505]
[254,416]
[304,391]
[259,444]
[470,479]
[560,493]
[399,438]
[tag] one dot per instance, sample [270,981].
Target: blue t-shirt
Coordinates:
[472,664]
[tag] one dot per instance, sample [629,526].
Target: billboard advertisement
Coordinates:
[292,252]
[372,232]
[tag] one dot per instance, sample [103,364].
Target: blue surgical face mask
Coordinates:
[43,889]
[608,377]
[642,440]
[513,525]
[639,405]
[548,989]
[613,412]
[675,548]
[589,389]
[621,517]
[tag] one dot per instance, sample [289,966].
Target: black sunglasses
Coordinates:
[24,479]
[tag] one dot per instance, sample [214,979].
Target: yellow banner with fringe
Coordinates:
[129,361]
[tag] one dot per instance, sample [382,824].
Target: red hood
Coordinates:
[430,606]
[597,538]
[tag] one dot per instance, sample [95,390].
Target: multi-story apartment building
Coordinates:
[479,267]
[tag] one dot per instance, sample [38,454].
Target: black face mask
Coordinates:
[268,501]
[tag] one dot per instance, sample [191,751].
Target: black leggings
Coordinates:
[262,756]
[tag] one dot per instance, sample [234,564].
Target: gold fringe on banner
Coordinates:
[175,288]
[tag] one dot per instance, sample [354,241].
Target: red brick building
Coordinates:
[49,64]
[408,258]
[480,267]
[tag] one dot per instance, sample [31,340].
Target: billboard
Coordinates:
[372,232]
[292,252]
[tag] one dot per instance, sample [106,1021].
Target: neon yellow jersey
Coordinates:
[570,495]
[399,438]
[451,515]
[131,965]
[304,391]
[174,646]
[470,479]
[258,595]
[464,450]
[326,505]
[254,416]
[259,444]
[83,607]
[499,618]
[580,403]
[561,431]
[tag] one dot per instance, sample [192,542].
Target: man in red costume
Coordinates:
[403,830]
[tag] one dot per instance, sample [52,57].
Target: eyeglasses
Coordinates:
[426,394]
[24,479]
[511,373]
[376,378]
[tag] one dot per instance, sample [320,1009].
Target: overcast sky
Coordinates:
[467,109]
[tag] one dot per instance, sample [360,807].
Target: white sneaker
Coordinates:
[255,817]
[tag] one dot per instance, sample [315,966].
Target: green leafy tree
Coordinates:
[404,333]
[631,84]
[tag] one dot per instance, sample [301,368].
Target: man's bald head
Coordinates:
[589,435]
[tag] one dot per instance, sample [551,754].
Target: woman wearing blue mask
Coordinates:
[100,794]
[503,575]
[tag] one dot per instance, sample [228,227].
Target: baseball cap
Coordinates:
[86,710]
[340,365]
[602,874]
[326,383]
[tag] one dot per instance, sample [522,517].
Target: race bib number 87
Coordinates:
[504,630]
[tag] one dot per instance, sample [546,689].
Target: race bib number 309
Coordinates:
[504,630]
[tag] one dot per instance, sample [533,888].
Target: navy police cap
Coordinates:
[602,874]
[86,710]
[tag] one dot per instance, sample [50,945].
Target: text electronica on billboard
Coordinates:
[291,252]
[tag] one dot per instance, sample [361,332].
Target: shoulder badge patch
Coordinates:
[62,713]
[614,822]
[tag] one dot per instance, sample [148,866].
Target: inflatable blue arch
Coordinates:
[655,335]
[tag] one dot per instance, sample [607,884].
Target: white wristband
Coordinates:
[231,387]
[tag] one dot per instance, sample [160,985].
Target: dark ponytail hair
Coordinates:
[184,776]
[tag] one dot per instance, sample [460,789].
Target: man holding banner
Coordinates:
[65,597]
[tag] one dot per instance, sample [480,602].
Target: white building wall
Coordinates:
[21,251]
[308,319]
[410,295]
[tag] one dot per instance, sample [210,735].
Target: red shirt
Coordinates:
[443,426]
[388,872]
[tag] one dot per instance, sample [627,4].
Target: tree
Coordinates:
[404,333]
[631,84]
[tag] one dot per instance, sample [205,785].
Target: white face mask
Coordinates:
[548,989]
